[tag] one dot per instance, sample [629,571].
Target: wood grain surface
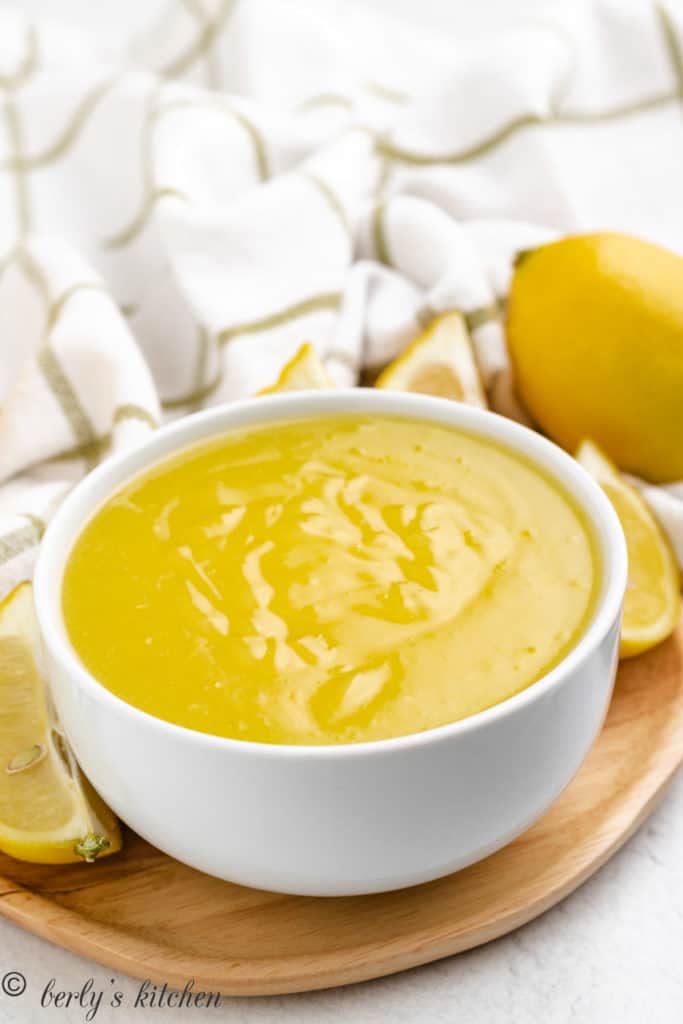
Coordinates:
[147,915]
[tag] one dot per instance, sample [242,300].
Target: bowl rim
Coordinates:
[191,430]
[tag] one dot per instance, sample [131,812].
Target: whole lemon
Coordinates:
[595,334]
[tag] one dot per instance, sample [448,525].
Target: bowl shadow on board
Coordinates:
[142,903]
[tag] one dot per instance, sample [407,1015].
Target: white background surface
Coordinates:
[610,954]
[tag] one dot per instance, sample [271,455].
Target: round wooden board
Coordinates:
[142,913]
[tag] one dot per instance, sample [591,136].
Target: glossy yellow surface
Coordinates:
[329,581]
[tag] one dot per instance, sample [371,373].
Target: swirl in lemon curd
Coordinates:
[329,580]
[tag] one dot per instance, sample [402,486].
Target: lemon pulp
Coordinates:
[652,605]
[439,362]
[303,371]
[49,814]
[329,580]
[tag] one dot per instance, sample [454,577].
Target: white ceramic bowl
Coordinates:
[337,820]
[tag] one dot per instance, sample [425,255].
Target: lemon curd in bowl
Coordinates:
[330,580]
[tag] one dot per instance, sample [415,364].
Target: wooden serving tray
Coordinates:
[147,915]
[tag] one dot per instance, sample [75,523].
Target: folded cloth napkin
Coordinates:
[178,212]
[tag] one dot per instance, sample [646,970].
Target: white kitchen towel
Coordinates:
[180,212]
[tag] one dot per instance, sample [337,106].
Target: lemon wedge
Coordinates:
[304,370]
[49,813]
[439,362]
[652,603]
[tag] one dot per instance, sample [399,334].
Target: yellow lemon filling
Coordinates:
[330,580]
